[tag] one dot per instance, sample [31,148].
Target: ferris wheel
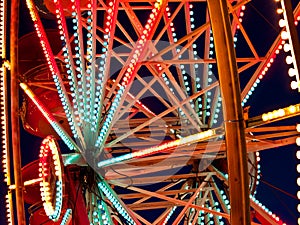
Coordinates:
[129,101]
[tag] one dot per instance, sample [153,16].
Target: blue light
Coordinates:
[109,193]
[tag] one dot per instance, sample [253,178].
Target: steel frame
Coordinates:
[260,135]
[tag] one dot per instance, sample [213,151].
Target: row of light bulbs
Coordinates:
[288,46]
[67,53]
[50,118]
[201,136]
[270,60]
[266,210]
[109,193]
[134,59]
[298,168]
[49,154]
[101,213]
[52,65]
[279,113]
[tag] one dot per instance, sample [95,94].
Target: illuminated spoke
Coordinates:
[133,62]
[50,118]
[164,147]
[117,203]
[102,77]
[62,92]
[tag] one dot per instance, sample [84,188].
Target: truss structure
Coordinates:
[130,89]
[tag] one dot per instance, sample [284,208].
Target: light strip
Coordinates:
[50,118]
[79,59]
[67,53]
[290,59]
[27,183]
[134,61]
[101,214]
[9,208]
[52,64]
[267,64]
[258,172]
[279,113]
[268,212]
[67,217]
[49,151]
[4,113]
[90,61]
[118,204]
[173,38]
[169,215]
[104,61]
[298,170]
[5,139]
[102,205]
[160,148]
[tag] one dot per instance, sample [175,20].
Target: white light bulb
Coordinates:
[298,141]
[298,128]
[292,72]
[287,47]
[289,60]
[282,23]
[294,85]
[284,35]
[298,154]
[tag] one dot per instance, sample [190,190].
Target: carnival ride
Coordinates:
[127,100]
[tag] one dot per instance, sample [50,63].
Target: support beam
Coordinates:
[15,123]
[233,116]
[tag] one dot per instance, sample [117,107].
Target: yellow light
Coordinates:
[292,109]
[281,112]
[6,64]
[265,117]
[271,115]
[279,11]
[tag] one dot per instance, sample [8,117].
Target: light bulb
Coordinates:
[294,85]
[289,60]
[292,72]
[284,35]
[282,22]
[298,128]
[287,47]
[298,154]
[298,141]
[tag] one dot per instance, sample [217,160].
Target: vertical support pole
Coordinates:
[233,116]
[15,125]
